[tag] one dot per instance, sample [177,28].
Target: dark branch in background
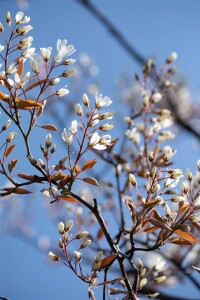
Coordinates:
[135,55]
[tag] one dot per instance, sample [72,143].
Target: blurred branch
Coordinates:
[139,58]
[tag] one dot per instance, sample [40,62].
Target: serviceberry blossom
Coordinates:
[67,137]
[21,82]
[63,50]
[28,53]
[46,53]
[78,109]
[73,127]
[1,48]
[11,69]
[19,17]
[101,101]
[24,29]
[98,142]
[62,92]
[34,62]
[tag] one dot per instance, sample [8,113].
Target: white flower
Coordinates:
[101,101]
[62,92]
[46,53]
[73,127]
[24,29]
[171,183]
[78,109]
[11,69]
[106,116]
[69,73]
[99,143]
[106,127]
[156,97]
[54,81]
[34,62]
[21,82]
[28,53]
[63,50]
[133,135]
[67,137]
[95,138]
[29,39]
[105,140]
[19,16]
[196,201]
[1,48]
[173,56]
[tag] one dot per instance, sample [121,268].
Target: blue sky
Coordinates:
[154,28]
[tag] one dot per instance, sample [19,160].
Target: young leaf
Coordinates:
[66,198]
[20,67]
[180,241]
[187,236]
[29,104]
[48,127]
[151,229]
[12,164]
[160,224]
[58,176]
[90,180]
[33,85]
[107,260]
[3,97]
[89,164]
[16,190]
[9,150]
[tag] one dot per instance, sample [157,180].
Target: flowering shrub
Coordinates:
[140,195]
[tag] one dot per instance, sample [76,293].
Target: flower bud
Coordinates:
[68,62]
[153,296]
[151,156]
[82,235]
[160,279]
[6,125]
[61,227]
[86,101]
[184,186]
[10,137]
[8,17]
[146,101]
[132,179]
[53,148]
[78,109]
[142,283]
[171,58]
[156,97]
[41,163]
[106,127]
[54,81]
[61,245]
[48,140]
[53,256]
[77,256]
[68,73]
[189,175]
[69,224]
[85,244]
[1,27]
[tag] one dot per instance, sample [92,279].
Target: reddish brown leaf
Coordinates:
[155,150]
[107,260]
[58,176]
[77,168]
[111,281]
[48,127]
[20,67]
[12,164]
[16,190]
[9,150]
[182,209]
[66,198]
[151,203]
[90,180]
[63,181]
[33,85]
[89,164]
[3,97]
[187,236]
[100,234]
[24,104]
[180,241]
[151,229]
[159,224]
[157,216]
